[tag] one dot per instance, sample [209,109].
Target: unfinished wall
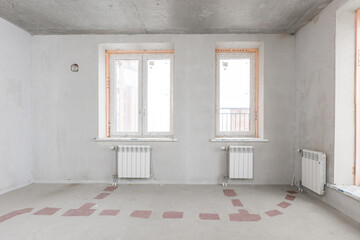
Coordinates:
[15,127]
[320,95]
[315,87]
[65,113]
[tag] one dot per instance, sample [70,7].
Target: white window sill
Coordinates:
[239,140]
[348,190]
[154,139]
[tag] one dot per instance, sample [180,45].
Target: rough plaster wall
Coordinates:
[65,113]
[315,88]
[15,127]
[315,99]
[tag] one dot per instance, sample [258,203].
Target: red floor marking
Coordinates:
[229,193]
[273,213]
[209,216]
[14,214]
[141,214]
[284,204]
[292,192]
[244,216]
[110,189]
[102,195]
[47,211]
[109,212]
[236,203]
[290,197]
[79,212]
[84,210]
[173,215]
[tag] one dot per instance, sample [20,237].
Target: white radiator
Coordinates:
[313,169]
[133,161]
[240,163]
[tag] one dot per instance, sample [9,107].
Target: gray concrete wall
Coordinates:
[65,112]
[15,126]
[319,77]
[315,88]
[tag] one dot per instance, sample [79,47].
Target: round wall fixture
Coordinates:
[74,67]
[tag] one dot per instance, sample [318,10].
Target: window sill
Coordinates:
[348,190]
[239,140]
[135,139]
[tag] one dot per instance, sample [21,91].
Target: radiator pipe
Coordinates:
[115,176]
[226,176]
[293,180]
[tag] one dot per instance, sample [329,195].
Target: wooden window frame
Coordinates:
[108,54]
[239,50]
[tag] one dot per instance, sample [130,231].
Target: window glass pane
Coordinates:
[126,109]
[158,95]
[234,95]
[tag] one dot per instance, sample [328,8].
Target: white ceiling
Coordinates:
[160,16]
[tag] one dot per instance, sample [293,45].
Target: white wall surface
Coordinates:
[65,111]
[15,125]
[344,93]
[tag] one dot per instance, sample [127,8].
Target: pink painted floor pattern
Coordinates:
[84,211]
[102,195]
[244,216]
[109,212]
[209,216]
[176,215]
[47,211]
[141,214]
[14,214]
[87,210]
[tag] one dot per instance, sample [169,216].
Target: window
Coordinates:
[237,85]
[357,100]
[139,93]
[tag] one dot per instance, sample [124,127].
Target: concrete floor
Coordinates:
[239,214]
